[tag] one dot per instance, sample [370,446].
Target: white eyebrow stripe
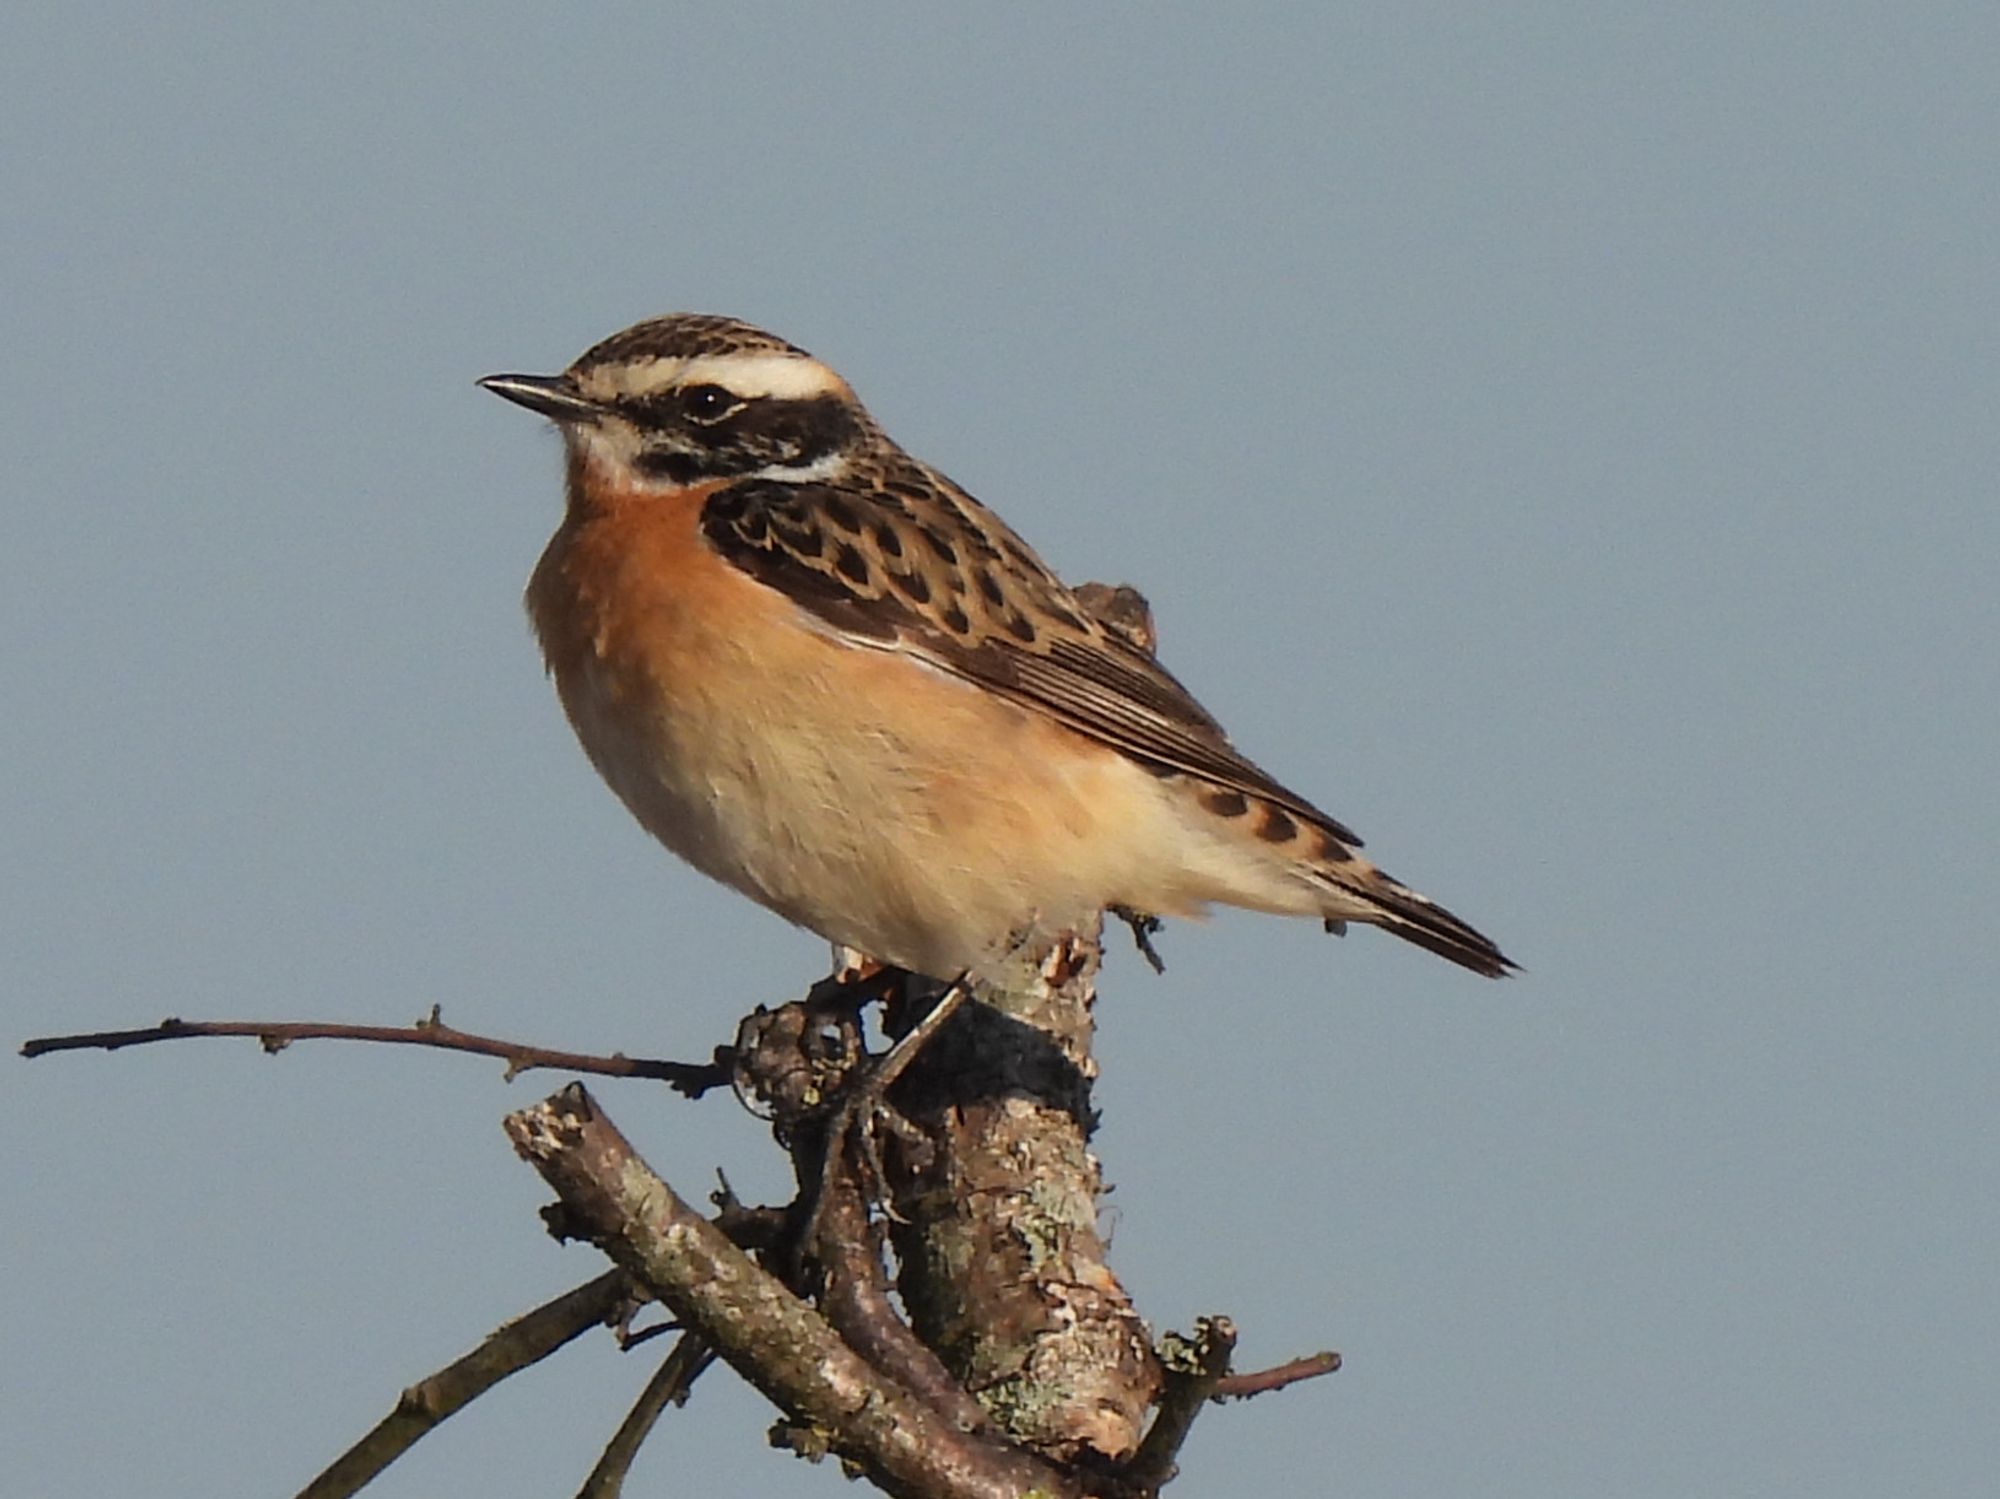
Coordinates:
[787,377]
[784,376]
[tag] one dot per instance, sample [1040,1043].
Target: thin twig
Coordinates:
[751,1228]
[668,1386]
[1243,1386]
[526,1340]
[691,1078]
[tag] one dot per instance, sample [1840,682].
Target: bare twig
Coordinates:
[691,1078]
[1193,1367]
[524,1341]
[1243,1386]
[668,1386]
[770,1337]
[752,1228]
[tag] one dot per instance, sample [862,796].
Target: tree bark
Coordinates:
[1003,1269]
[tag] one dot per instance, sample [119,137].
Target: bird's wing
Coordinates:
[908,561]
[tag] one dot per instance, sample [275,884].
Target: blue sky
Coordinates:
[1559,439]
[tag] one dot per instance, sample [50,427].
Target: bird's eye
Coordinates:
[709,403]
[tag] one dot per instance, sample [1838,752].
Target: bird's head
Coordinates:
[689,398]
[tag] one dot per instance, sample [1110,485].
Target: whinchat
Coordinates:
[825,675]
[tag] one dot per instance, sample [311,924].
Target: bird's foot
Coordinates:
[1143,924]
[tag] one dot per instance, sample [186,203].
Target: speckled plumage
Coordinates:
[829,677]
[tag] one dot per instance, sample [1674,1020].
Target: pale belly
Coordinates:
[875,800]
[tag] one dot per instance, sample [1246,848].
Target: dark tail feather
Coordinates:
[1410,916]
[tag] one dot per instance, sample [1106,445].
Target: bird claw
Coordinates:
[1143,925]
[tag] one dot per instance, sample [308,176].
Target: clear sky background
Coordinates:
[1558,438]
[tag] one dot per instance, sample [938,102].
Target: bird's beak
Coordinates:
[554,396]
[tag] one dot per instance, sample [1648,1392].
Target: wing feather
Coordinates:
[906,560]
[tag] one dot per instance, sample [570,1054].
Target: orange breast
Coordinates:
[859,792]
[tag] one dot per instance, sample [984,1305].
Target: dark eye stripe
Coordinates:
[759,432]
[658,410]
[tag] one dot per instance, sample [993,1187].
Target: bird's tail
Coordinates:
[1367,894]
[1292,858]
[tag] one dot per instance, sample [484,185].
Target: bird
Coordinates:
[825,675]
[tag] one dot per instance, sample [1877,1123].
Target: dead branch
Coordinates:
[855,1299]
[526,1340]
[668,1386]
[691,1078]
[1258,1382]
[770,1337]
